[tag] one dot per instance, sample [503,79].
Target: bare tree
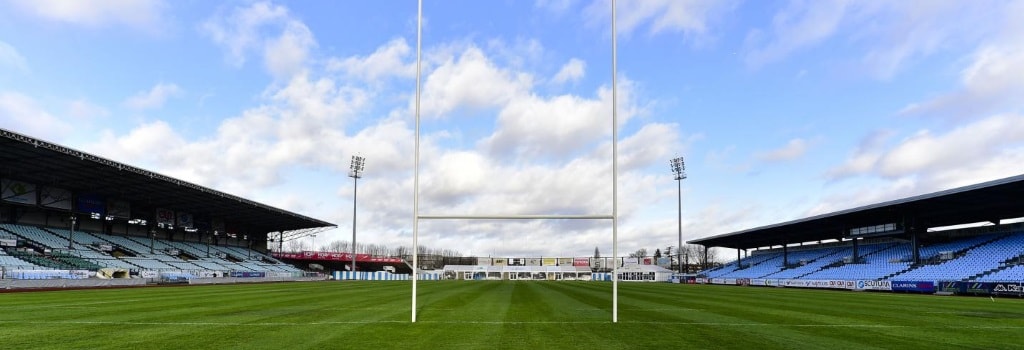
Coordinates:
[696,256]
[297,245]
[402,251]
[340,246]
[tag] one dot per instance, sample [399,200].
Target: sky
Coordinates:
[781,109]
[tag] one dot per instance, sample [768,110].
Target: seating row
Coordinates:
[978,258]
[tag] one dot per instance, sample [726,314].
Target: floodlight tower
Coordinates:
[679,170]
[355,172]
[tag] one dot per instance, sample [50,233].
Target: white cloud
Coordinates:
[961,147]
[862,159]
[982,137]
[992,78]
[800,25]
[287,54]
[9,57]
[652,144]
[306,125]
[516,54]
[571,71]
[907,31]
[557,127]
[141,14]
[994,81]
[864,194]
[148,144]
[23,114]
[888,34]
[689,17]
[925,162]
[239,32]
[456,83]
[300,124]
[83,109]
[284,42]
[555,6]
[154,98]
[793,149]
[392,59]
[926,152]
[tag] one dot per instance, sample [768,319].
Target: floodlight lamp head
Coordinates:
[678,168]
[356,166]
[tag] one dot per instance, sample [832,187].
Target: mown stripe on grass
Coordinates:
[502,315]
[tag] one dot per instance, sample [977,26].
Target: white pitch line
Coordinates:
[72,305]
[662,309]
[712,324]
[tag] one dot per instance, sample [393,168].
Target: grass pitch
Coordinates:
[501,315]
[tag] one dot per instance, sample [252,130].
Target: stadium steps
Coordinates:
[840,262]
[40,260]
[117,245]
[759,262]
[76,262]
[986,273]
[1006,264]
[957,254]
[826,267]
[934,260]
[960,253]
[24,240]
[822,254]
[900,272]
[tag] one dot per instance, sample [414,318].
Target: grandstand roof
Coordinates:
[988,201]
[32,160]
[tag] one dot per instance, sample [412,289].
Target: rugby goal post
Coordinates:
[615,177]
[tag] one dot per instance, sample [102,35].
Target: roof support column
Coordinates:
[705,257]
[686,261]
[855,258]
[915,246]
[785,254]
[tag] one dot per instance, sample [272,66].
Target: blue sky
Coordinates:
[783,109]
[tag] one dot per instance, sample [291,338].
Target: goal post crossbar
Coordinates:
[515,217]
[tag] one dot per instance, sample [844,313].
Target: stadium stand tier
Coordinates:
[922,238]
[979,258]
[69,214]
[86,254]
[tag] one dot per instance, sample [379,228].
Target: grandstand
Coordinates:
[68,214]
[904,240]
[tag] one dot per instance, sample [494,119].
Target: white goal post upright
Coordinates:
[615,175]
[416,181]
[416,164]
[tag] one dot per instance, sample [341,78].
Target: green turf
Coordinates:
[502,315]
